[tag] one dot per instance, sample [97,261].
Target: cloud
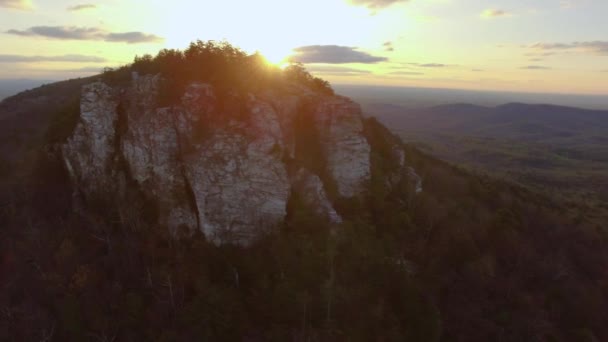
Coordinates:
[406,73]
[333,54]
[597,47]
[61,32]
[567,4]
[376,4]
[132,37]
[540,54]
[431,65]
[16,4]
[494,13]
[388,46]
[63,58]
[337,70]
[85,33]
[81,7]
[535,67]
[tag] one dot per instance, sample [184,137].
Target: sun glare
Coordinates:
[277,56]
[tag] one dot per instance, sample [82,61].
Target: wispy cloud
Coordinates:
[132,37]
[388,46]
[535,67]
[430,65]
[81,7]
[62,58]
[333,54]
[405,73]
[86,33]
[16,4]
[494,13]
[377,4]
[597,47]
[540,54]
[567,4]
[336,70]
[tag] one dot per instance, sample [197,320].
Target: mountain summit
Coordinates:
[225,168]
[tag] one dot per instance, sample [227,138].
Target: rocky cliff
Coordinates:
[225,166]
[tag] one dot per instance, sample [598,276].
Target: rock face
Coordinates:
[151,150]
[224,170]
[341,131]
[313,195]
[91,146]
[237,176]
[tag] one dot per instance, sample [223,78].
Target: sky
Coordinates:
[551,46]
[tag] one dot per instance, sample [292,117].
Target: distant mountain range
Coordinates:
[524,122]
[25,117]
[412,97]
[9,87]
[548,147]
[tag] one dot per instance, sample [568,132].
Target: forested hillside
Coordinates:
[560,151]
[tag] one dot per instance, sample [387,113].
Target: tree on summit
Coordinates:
[226,67]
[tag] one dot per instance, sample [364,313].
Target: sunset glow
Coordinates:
[429,43]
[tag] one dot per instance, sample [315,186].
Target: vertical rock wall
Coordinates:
[207,167]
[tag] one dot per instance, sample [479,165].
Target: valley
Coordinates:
[560,151]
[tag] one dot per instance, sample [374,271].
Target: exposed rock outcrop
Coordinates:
[151,151]
[238,179]
[89,151]
[341,131]
[222,170]
[310,188]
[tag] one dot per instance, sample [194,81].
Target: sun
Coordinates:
[277,55]
[281,64]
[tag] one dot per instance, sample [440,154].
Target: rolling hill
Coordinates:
[560,150]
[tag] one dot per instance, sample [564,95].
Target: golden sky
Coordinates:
[517,45]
